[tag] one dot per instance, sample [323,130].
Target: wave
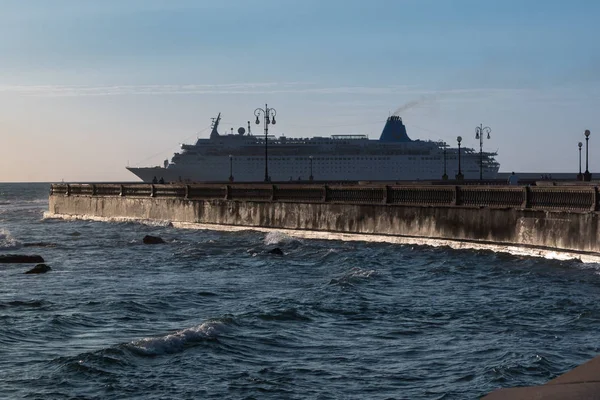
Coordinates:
[180,340]
[354,276]
[47,215]
[108,361]
[34,201]
[39,244]
[36,304]
[25,203]
[97,363]
[288,314]
[514,366]
[7,241]
[277,237]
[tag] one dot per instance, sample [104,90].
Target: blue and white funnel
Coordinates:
[394,131]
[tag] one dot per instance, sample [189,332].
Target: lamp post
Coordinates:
[230,168]
[480,131]
[445,176]
[579,175]
[267,113]
[587,176]
[310,178]
[459,176]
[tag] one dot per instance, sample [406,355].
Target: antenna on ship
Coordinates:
[249,129]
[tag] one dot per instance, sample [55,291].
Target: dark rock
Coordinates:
[20,259]
[39,269]
[152,240]
[277,251]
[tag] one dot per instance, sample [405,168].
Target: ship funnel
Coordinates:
[394,131]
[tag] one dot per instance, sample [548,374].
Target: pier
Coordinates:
[558,218]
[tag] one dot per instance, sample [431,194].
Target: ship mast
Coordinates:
[214,125]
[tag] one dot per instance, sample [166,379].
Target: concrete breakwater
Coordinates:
[562,218]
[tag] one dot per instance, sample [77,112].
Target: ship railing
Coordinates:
[566,198]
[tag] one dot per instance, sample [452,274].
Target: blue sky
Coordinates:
[87,87]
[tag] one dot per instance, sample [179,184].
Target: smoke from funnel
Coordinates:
[413,103]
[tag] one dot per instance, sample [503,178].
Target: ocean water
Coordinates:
[212,315]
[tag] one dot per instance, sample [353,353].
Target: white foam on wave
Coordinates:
[176,342]
[278,237]
[7,241]
[405,240]
[278,234]
[25,204]
[357,272]
[355,275]
[149,222]
[43,200]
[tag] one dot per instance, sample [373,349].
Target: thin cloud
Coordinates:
[121,90]
[238,89]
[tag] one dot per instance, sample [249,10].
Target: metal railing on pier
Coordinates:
[563,198]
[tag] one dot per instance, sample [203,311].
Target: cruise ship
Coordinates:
[393,157]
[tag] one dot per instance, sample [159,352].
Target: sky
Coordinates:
[88,87]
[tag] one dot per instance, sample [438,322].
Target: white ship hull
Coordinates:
[252,169]
[394,157]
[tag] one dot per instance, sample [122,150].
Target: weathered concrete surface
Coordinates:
[560,230]
[580,383]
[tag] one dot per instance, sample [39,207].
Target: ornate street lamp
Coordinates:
[587,176]
[445,176]
[230,168]
[459,176]
[480,132]
[267,113]
[579,175]
[310,178]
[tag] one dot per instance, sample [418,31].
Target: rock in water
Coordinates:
[39,269]
[152,240]
[276,251]
[20,259]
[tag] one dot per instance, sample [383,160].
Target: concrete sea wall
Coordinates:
[561,218]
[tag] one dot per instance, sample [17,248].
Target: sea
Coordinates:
[213,315]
